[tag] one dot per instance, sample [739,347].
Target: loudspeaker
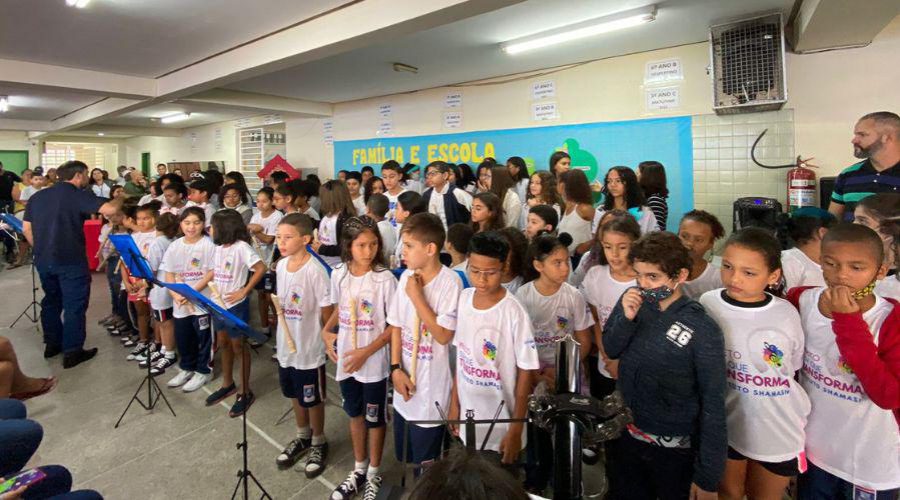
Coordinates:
[756,212]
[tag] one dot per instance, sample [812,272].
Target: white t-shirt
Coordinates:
[231,264]
[576,276]
[208,209]
[372,291]
[847,435]
[270,227]
[312,213]
[392,206]
[888,287]
[578,228]
[436,201]
[800,270]
[512,286]
[553,317]
[143,241]
[491,345]
[646,221]
[160,299]
[461,266]
[522,189]
[189,263]
[360,204]
[765,408]
[603,292]
[388,238]
[106,246]
[101,190]
[433,378]
[709,279]
[328,236]
[512,208]
[302,294]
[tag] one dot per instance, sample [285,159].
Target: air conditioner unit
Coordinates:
[748,65]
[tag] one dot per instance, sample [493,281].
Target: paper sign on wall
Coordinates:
[385,111]
[385,128]
[662,98]
[543,90]
[242,123]
[453,100]
[453,119]
[274,118]
[663,71]
[542,111]
[328,132]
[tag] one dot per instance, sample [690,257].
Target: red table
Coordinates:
[92,241]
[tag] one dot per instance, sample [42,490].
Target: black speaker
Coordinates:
[826,186]
[756,212]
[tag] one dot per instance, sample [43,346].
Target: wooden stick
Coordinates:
[282,322]
[353,322]
[118,265]
[216,296]
[416,335]
[179,278]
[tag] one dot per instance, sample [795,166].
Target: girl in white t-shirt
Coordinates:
[556,310]
[486,213]
[518,170]
[699,231]
[801,233]
[160,300]
[360,290]
[303,292]
[541,190]
[622,191]
[766,409]
[262,228]
[337,207]
[188,260]
[233,258]
[608,276]
[141,220]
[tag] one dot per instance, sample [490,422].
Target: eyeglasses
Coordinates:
[432,173]
[482,274]
[615,181]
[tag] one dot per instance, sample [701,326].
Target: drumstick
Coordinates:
[180,279]
[118,264]
[282,322]
[216,296]
[416,335]
[353,322]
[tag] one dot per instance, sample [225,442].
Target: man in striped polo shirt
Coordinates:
[876,140]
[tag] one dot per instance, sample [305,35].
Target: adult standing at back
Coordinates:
[876,141]
[8,181]
[53,225]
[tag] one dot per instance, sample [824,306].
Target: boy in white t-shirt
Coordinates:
[303,294]
[496,354]
[199,196]
[422,315]
[376,210]
[392,177]
[851,372]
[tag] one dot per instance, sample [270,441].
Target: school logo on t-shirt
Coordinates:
[561,323]
[773,355]
[195,262]
[295,299]
[843,366]
[228,266]
[366,306]
[489,350]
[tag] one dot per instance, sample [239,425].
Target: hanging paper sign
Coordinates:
[453,119]
[543,90]
[385,111]
[453,100]
[663,71]
[662,98]
[542,111]
[385,128]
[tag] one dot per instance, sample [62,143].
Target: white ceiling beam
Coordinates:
[251,101]
[99,111]
[126,130]
[45,76]
[25,125]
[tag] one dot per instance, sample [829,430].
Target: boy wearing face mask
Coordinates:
[672,375]
[851,372]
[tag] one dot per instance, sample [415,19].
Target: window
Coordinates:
[57,153]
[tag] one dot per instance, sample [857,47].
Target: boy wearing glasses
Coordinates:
[495,350]
[443,198]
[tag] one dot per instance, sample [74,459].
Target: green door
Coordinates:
[14,161]
[145,164]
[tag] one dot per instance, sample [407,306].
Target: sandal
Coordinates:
[48,385]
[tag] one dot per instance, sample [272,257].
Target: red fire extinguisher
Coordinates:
[801,181]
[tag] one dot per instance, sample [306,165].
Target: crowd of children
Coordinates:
[782,360]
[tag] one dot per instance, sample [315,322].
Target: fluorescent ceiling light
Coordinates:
[101,134]
[4,104]
[80,4]
[175,118]
[596,26]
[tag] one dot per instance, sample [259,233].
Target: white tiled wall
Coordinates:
[723,170]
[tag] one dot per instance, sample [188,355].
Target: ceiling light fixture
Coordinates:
[4,104]
[101,134]
[175,118]
[79,4]
[591,27]
[398,67]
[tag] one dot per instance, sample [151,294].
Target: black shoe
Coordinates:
[294,450]
[73,359]
[315,463]
[242,404]
[220,394]
[50,351]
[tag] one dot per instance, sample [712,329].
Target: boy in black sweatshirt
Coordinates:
[672,375]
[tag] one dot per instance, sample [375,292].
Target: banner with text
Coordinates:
[594,148]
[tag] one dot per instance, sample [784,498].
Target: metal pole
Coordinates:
[567,446]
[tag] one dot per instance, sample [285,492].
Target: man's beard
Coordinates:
[866,152]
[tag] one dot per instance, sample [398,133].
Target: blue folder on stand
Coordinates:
[132,258]
[13,222]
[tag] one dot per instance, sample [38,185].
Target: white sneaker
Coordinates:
[180,379]
[196,382]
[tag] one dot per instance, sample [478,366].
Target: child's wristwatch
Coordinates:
[395,367]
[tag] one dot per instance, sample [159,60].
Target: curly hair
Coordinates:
[662,249]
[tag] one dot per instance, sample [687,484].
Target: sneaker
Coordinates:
[350,487]
[197,381]
[139,348]
[373,485]
[131,341]
[590,455]
[160,366]
[292,452]
[315,463]
[152,349]
[107,319]
[241,405]
[155,354]
[220,394]
[180,379]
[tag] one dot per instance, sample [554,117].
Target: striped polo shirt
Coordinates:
[861,180]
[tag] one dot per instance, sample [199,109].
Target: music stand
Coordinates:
[19,228]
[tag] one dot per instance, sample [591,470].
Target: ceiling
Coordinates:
[200,115]
[469,50]
[141,37]
[39,104]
